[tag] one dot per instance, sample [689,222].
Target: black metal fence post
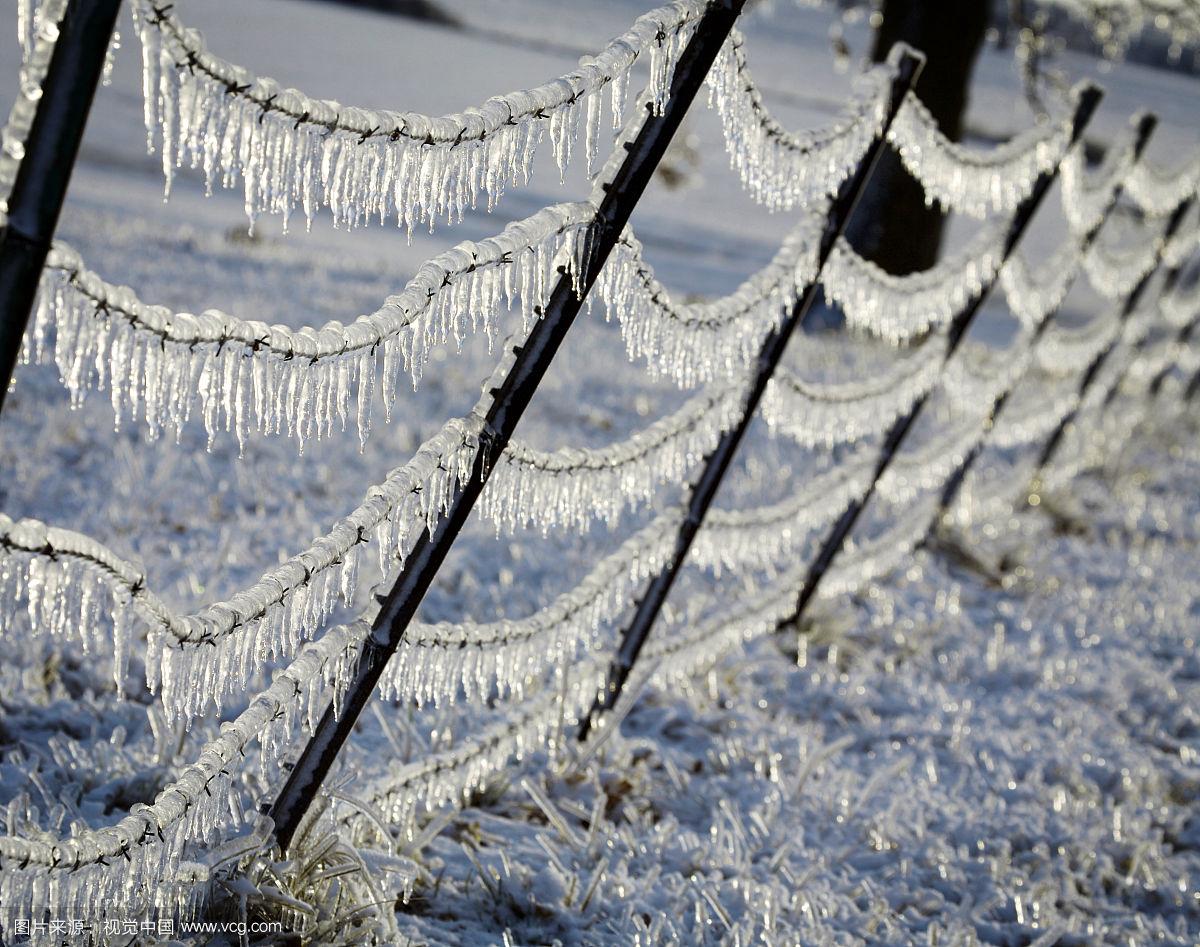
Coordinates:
[950,491]
[1093,370]
[716,464]
[1170,278]
[50,149]
[1182,339]
[533,358]
[836,539]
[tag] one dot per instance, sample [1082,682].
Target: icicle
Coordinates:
[1068,351]
[1114,273]
[570,487]
[695,343]
[1157,191]
[1032,296]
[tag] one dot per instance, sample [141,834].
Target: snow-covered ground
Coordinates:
[949,759]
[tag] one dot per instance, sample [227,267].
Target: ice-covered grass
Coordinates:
[941,761]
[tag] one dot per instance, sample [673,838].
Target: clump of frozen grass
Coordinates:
[328,889]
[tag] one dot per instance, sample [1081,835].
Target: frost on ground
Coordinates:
[946,761]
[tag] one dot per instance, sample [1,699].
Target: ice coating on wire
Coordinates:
[822,413]
[295,152]
[147,844]
[695,343]
[977,183]
[247,375]
[782,169]
[900,308]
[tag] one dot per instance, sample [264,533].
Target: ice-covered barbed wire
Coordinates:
[1034,409]
[29,91]
[195,659]
[569,487]
[696,342]
[739,541]
[107,870]
[782,169]
[858,403]
[975,182]
[1087,194]
[1114,272]
[970,383]
[872,558]
[438,663]
[215,651]
[1068,350]
[678,654]
[900,308]
[1033,294]
[292,151]
[1158,191]
[435,663]
[249,375]
[450,776]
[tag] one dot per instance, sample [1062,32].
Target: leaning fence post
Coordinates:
[621,192]
[1170,278]
[1183,338]
[836,539]
[49,148]
[1145,128]
[1093,370]
[633,637]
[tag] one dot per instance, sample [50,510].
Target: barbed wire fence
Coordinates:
[740,356]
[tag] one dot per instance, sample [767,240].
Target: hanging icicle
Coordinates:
[1113,273]
[696,343]
[821,413]
[1159,191]
[571,487]
[1032,295]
